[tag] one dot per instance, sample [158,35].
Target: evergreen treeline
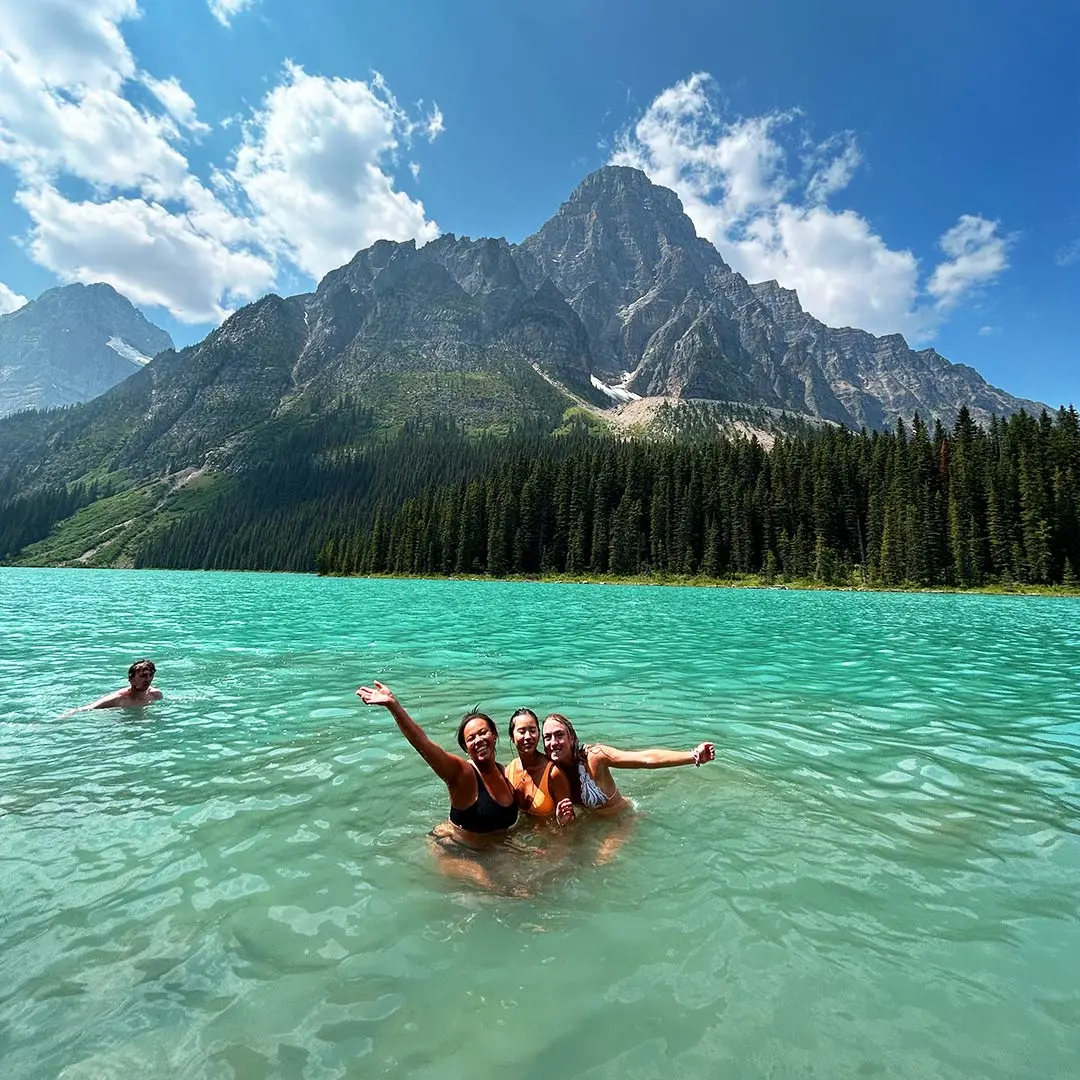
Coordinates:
[25,520]
[960,508]
[276,515]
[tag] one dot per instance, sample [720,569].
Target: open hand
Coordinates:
[380,694]
[564,812]
[701,753]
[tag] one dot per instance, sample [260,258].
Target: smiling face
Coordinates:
[558,742]
[524,733]
[479,736]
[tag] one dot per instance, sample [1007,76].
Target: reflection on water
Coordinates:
[880,876]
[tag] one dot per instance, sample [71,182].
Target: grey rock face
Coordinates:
[451,326]
[616,287]
[70,345]
[666,316]
[454,306]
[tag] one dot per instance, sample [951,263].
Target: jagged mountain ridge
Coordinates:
[71,344]
[394,329]
[667,316]
[616,287]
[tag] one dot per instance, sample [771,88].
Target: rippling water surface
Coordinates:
[879,877]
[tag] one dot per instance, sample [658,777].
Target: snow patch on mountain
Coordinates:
[616,393]
[128,352]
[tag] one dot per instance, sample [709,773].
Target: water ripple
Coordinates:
[879,875]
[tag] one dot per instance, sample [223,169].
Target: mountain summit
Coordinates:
[616,298]
[667,317]
[71,344]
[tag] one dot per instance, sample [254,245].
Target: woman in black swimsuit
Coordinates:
[482,804]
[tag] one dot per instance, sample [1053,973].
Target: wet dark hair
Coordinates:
[521,712]
[474,715]
[142,663]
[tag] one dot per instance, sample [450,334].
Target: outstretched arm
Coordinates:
[109,701]
[448,767]
[655,758]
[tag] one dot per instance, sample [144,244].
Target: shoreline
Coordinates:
[749,581]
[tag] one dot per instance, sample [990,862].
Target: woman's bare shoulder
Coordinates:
[599,751]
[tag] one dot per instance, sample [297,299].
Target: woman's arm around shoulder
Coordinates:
[448,767]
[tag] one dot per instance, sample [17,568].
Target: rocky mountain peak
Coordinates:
[71,344]
[619,226]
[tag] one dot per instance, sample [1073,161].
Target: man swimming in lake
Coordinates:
[138,691]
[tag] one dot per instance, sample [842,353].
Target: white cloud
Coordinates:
[433,125]
[976,255]
[836,160]
[69,43]
[176,101]
[99,136]
[313,164]
[988,331]
[227,10]
[311,181]
[760,190]
[844,273]
[153,256]
[10,300]
[1068,254]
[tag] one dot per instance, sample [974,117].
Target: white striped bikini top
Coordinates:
[591,795]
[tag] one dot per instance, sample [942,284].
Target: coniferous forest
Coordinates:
[962,507]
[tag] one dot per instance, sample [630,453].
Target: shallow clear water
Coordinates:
[879,877]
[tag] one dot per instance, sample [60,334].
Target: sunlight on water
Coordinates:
[879,877]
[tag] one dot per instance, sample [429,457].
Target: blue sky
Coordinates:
[909,168]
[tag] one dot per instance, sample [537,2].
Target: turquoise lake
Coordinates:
[878,877]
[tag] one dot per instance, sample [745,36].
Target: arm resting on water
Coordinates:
[448,767]
[655,758]
[110,701]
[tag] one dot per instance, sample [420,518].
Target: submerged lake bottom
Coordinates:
[879,876]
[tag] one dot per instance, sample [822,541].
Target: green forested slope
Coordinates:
[962,508]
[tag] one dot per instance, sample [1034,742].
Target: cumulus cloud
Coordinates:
[313,164]
[153,256]
[227,10]
[70,43]
[311,181]
[97,136]
[761,190]
[176,101]
[10,300]
[976,254]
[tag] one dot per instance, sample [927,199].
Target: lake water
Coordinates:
[878,877]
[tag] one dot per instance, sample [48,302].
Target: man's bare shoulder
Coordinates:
[110,701]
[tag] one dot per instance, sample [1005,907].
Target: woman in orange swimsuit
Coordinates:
[540,786]
[588,768]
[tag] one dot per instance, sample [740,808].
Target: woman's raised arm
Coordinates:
[448,767]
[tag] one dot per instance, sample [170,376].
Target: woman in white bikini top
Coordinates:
[589,767]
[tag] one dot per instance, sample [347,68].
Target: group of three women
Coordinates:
[550,783]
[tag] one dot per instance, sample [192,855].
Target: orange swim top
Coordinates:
[535,799]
